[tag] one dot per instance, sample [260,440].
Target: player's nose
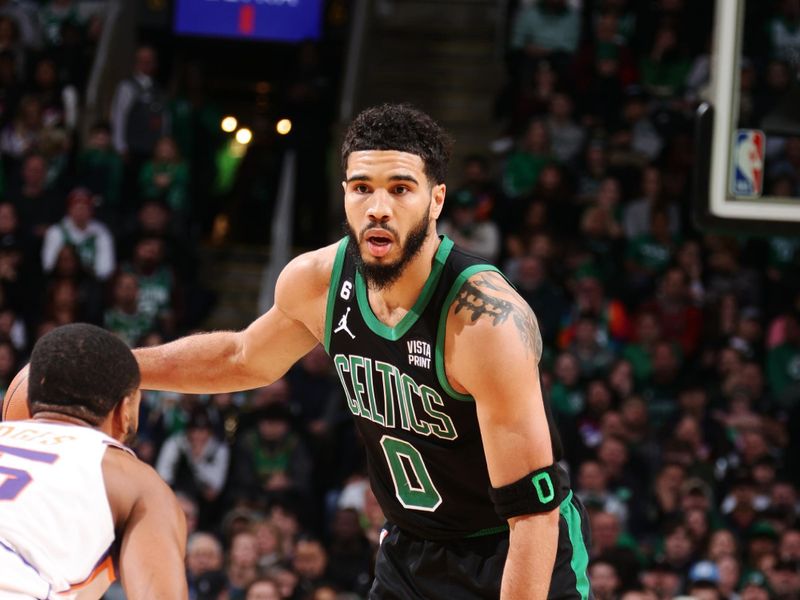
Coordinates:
[380,206]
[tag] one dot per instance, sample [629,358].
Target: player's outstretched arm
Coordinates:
[152,527]
[228,361]
[492,349]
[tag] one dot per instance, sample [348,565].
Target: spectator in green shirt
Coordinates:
[665,68]
[53,15]
[783,363]
[123,318]
[548,29]
[647,256]
[526,163]
[166,177]
[566,394]
[100,169]
[640,352]
[594,356]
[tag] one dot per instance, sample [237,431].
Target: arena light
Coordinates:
[229,124]
[244,135]
[283,127]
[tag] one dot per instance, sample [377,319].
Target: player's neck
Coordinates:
[403,293]
[54,417]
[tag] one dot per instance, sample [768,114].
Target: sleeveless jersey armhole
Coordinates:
[442,328]
[112,443]
[336,274]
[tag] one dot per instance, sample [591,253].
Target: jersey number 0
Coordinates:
[412,482]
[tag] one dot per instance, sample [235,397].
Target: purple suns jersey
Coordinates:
[56,526]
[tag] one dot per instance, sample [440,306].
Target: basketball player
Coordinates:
[77,508]
[438,356]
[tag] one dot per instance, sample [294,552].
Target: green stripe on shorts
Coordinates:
[580,557]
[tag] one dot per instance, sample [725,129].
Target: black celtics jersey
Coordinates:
[424,452]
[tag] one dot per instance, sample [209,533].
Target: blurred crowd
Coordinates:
[95,219]
[100,220]
[672,356]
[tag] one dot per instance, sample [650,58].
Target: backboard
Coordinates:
[745,180]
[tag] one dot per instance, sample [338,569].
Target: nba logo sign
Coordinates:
[748,163]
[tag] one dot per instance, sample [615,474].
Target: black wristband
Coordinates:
[537,492]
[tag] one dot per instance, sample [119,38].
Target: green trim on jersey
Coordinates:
[395,333]
[488,531]
[336,275]
[451,295]
[580,557]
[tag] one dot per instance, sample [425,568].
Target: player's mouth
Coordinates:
[378,242]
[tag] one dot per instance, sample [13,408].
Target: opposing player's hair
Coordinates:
[81,370]
[403,128]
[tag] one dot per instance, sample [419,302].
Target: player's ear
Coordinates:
[125,416]
[437,200]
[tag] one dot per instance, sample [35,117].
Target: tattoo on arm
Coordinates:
[478,298]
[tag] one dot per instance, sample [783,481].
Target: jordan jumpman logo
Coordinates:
[343,324]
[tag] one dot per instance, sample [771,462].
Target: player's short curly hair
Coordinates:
[404,128]
[81,370]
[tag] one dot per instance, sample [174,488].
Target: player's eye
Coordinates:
[361,188]
[400,190]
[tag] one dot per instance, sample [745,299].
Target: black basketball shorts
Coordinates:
[411,568]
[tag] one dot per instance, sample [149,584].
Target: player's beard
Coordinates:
[380,276]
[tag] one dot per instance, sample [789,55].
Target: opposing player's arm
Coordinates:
[493,347]
[152,527]
[226,361]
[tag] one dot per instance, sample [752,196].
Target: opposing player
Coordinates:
[438,357]
[77,508]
